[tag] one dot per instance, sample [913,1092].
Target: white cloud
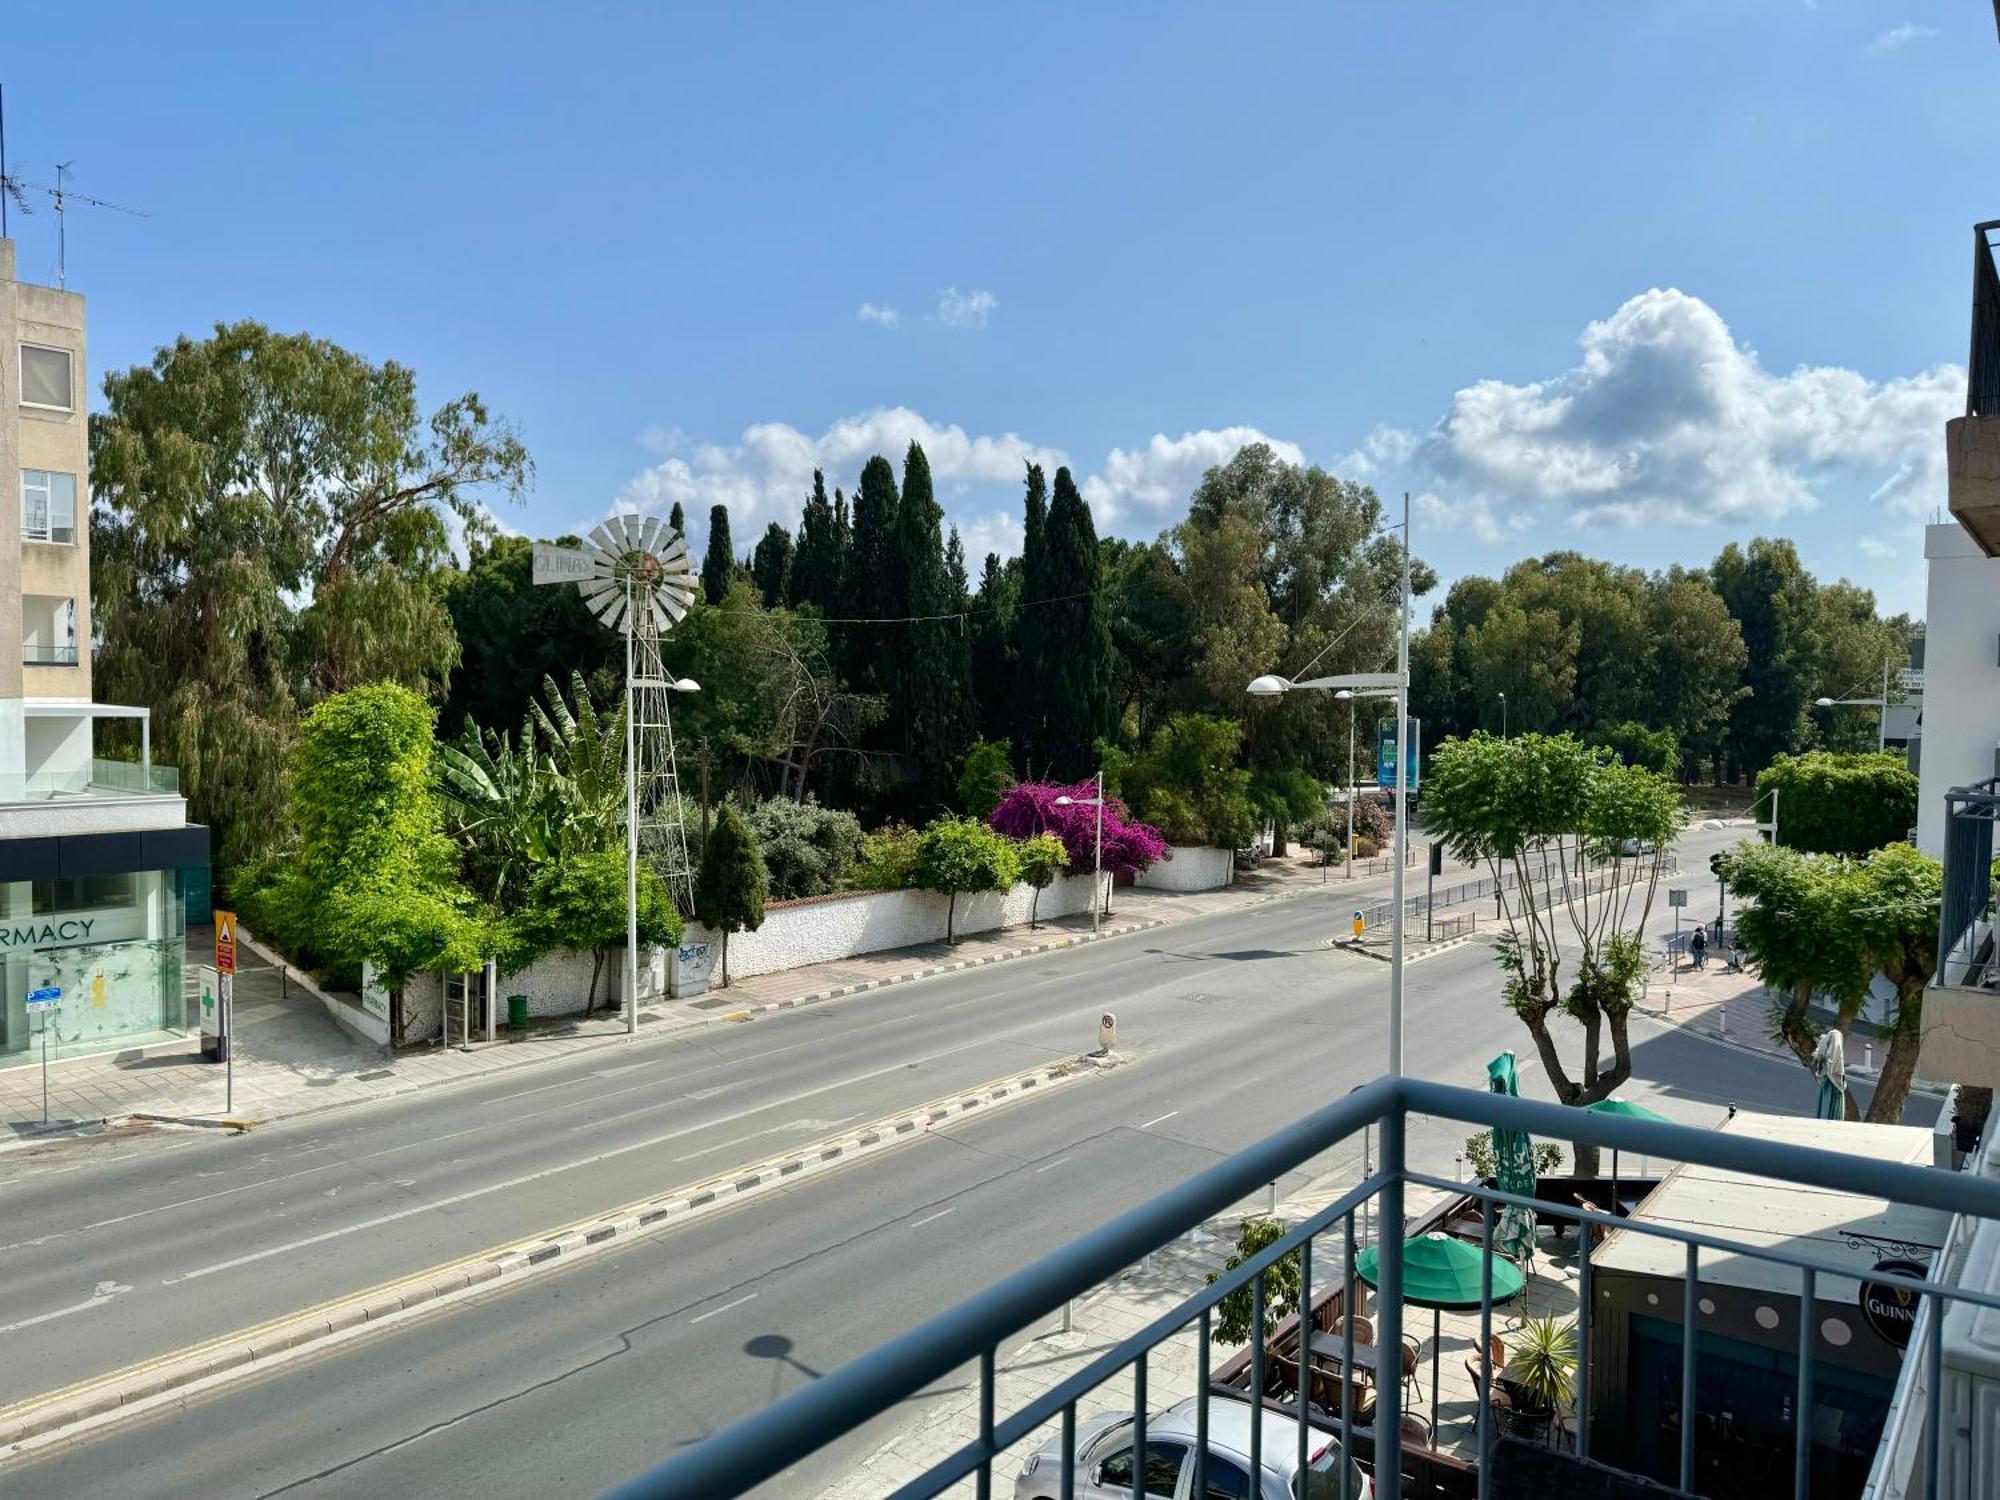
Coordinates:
[767,473]
[995,531]
[870,312]
[1474,513]
[1875,547]
[1667,418]
[1896,38]
[1385,448]
[958,309]
[1165,471]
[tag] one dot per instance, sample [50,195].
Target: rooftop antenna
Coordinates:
[61,193]
[10,190]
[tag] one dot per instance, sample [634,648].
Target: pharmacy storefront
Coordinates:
[112,941]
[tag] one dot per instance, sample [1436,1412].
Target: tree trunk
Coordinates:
[950,911]
[1034,900]
[725,958]
[1899,1068]
[596,968]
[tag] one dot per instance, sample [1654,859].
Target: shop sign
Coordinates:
[1892,1310]
[71,929]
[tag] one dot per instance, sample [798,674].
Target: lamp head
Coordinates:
[1065,802]
[1823,702]
[1268,686]
[685,685]
[1345,695]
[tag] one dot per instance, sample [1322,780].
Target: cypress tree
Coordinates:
[954,570]
[677,518]
[992,628]
[1077,671]
[874,582]
[771,565]
[932,661]
[1031,649]
[718,564]
[815,576]
[730,890]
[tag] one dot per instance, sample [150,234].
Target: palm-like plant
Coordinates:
[557,791]
[1542,1361]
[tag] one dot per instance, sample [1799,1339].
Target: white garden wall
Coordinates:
[822,928]
[1192,868]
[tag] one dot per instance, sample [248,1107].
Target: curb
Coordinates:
[1432,950]
[45,1419]
[793,1002]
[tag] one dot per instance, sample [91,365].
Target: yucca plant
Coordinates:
[1541,1362]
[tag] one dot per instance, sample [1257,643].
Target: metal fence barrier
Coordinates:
[766,1443]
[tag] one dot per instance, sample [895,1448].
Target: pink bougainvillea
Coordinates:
[1030,807]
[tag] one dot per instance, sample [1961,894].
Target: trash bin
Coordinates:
[517,1015]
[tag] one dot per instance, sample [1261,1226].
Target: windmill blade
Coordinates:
[631,526]
[675,607]
[603,538]
[680,594]
[674,555]
[596,595]
[611,612]
[649,535]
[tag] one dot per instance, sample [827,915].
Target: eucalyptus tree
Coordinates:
[273,514]
[1551,819]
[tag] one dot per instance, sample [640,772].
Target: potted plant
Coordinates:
[1539,1375]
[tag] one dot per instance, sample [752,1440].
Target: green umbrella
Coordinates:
[1513,1167]
[1441,1271]
[1630,1111]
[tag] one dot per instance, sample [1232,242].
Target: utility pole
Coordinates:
[1402,808]
[631,828]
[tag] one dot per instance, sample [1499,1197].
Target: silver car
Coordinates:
[1104,1459]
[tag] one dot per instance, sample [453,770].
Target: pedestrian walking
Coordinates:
[1698,948]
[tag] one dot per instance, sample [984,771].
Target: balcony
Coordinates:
[1972,442]
[1962,1007]
[1780,1258]
[33,655]
[94,778]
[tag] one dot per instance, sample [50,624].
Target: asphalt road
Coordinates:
[571,1382]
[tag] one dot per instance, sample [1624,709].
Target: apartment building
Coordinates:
[95,846]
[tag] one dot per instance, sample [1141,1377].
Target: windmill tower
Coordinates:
[634,575]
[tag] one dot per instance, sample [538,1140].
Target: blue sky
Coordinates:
[1634,278]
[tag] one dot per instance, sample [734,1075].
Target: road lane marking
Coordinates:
[718,1311]
[1161,1120]
[100,1297]
[932,1218]
[1051,1166]
[546,1172]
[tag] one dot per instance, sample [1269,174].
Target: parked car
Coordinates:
[1104,1459]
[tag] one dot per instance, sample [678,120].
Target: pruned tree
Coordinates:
[1039,860]
[579,903]
[730,891]
[1831,803]
[961,855]
[1539,812]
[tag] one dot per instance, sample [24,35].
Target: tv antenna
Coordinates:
[15,190]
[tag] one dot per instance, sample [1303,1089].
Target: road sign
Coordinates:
[48,998]
[1676,898]
[225,941]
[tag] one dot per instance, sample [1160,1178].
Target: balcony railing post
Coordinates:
[1303,1352]
[985,1486]
[1257,1374]
[1688,1310]
[1934,1378]
[1389,1313]
[1139,1427]
[1485,1392]
[1346,1355]
[1802,1417]
[1201,1406]
[1069,1451]
[1583,1232]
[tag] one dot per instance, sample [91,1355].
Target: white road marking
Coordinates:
[1052,1165]
[818,1126]
[718,1311]
[545,1172]
[102,1295]
[1161,1120]
[932,1218]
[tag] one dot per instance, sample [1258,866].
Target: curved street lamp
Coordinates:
[1097,893]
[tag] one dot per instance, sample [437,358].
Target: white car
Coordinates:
[1104,1459]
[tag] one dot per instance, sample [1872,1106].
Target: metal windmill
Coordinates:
[635,576]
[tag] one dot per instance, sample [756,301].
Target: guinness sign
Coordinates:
[1892,1310]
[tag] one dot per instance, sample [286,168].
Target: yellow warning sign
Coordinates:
[225,942]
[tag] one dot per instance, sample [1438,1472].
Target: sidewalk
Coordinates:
[1098,1323]
[291,1058]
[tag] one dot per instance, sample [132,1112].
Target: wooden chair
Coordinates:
[1413,1353]
[1364,1330]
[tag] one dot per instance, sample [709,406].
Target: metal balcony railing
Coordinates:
[765,1444]
[1966,958]
[1982,387]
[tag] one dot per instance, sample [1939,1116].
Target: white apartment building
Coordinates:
[95,851]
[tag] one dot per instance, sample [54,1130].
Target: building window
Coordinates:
[48,506]
[66,893]
[45,378]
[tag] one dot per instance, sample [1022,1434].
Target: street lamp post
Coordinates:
[1097,892]
[1882,703]
[1389,685]
[1503,716]
[1348,694]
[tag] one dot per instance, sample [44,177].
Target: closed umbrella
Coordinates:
[1440,1271]
[1829,1066]
[1630,1111]
[1513,1168]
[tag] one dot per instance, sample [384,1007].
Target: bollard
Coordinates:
[1270,1200]
[1107,1033]
[1868,1056]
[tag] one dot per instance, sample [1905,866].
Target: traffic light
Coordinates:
[1715,865]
